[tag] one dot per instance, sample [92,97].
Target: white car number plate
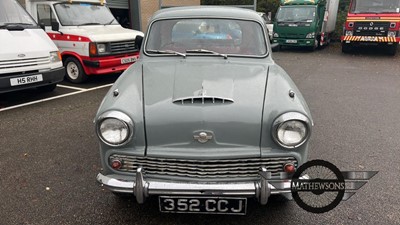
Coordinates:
[26,80]
[129,60]
[205,205]
[291,41]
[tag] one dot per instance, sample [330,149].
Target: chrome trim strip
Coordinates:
[287,117]
[119,116]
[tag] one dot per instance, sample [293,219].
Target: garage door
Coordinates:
[118,4]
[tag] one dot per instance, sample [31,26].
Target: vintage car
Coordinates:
[205,119]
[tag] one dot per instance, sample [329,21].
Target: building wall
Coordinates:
[149,7]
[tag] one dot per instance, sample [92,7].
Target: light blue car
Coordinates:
[203,123]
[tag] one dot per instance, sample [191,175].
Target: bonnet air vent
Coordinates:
[203,100]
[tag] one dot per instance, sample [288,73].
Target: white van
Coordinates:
[90,39]
[28,58]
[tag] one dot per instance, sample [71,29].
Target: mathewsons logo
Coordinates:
[319,186]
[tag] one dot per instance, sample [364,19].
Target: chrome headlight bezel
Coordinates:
[287,117]
[126,122]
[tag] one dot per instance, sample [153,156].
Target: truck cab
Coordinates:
[28,58]
[90,39]
[372,23]
[305,23]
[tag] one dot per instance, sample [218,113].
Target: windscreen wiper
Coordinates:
[206,51]
[83,24]
[166,52]
[109,23]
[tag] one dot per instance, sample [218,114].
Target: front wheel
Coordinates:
[74,70]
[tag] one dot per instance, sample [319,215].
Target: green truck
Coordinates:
[305,23]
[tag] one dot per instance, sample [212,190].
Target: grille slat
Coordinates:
[203,169]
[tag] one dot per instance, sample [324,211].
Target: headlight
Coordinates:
[115,128]
[310,35]
[55,56]
[276,35]
[291,130]
[392,34]
[349,33]
[102,48]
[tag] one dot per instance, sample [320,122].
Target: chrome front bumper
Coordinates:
[142,189]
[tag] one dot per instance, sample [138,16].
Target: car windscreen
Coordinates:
[296,14]
[375,6]
[12,13]
[81,14]
[207,35]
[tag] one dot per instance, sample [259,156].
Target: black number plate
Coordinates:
[209,205]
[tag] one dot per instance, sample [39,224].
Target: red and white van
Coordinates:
[90,39]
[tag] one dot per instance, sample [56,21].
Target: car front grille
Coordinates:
[292,35]
[123,47]
[23,63]
[371,28]
[203,169]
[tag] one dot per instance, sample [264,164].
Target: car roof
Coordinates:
[207,11]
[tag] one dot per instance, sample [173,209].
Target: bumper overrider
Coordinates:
[143,188]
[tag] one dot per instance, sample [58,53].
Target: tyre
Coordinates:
[48,88]
[392,49]
[74,70]
[346,48]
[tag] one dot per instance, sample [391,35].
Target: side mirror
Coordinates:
[55,26]
[275,47]
[41,25]
[138,41]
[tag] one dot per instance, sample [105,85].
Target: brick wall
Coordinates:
[149,7]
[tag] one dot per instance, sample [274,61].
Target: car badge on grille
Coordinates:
[21,55]
[203,137]
[371,24]
[202,92]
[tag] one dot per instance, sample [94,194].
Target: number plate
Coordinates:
[129,60]
[207,205]
[26,80]
[291,41]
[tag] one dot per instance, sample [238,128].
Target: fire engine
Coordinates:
[372,22]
